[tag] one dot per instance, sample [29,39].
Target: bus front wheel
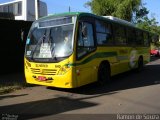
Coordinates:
[104,73]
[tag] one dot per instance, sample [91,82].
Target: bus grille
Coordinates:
[44,71]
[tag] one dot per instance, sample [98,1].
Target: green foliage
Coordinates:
[149,25]
[155,45]
[124,9]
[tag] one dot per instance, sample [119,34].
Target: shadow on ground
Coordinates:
[46,107]
[11,96]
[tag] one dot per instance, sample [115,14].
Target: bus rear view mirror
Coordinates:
[22,34]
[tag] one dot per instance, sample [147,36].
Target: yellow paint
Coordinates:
[82,74]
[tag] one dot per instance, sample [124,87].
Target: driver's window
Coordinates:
[85,39]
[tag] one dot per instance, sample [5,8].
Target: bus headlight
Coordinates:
[64,69]
[28,64]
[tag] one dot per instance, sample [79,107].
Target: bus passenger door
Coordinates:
[85,49]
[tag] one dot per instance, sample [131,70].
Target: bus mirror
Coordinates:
[22,35]
[84,31]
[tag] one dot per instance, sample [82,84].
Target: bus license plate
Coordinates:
[42,78]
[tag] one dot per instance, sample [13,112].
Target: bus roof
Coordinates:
[60,14]
[119,20]
[80,14]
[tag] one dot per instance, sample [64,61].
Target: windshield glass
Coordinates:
[50,39]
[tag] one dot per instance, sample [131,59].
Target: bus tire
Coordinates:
[140,64]
[104,73]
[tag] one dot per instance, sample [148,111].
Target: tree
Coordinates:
[149,24]
[140,14]
[124,9]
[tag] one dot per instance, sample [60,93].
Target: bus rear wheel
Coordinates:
[140,64]
[104,73]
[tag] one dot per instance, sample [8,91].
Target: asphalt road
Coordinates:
[127,93]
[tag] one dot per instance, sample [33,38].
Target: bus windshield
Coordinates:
[50,39]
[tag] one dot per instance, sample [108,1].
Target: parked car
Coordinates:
[155,52]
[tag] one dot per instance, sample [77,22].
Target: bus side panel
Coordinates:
[85,72]
[123,56]
[87,68]
[145,52]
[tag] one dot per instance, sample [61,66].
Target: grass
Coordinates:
[13,87]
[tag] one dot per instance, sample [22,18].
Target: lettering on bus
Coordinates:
[41,65]
[57,66]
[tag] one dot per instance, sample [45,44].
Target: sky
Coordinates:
[154,8]
[59,6]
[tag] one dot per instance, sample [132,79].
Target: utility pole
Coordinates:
[69,9]
[36,9]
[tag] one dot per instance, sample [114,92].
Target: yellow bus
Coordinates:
[70,50]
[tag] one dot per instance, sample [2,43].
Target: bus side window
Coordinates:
[131,36]
[85,39]
[146,39]
[139,38]
[120,35]
[103,33]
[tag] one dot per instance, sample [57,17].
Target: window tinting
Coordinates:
[100,27]
[104,33]
[102,38]
[19,8]
[120,36]
[10,8]
[131,36]
[85,44]
[139,37]
[146,39]
[5,8]
[1,8]
[15,8]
